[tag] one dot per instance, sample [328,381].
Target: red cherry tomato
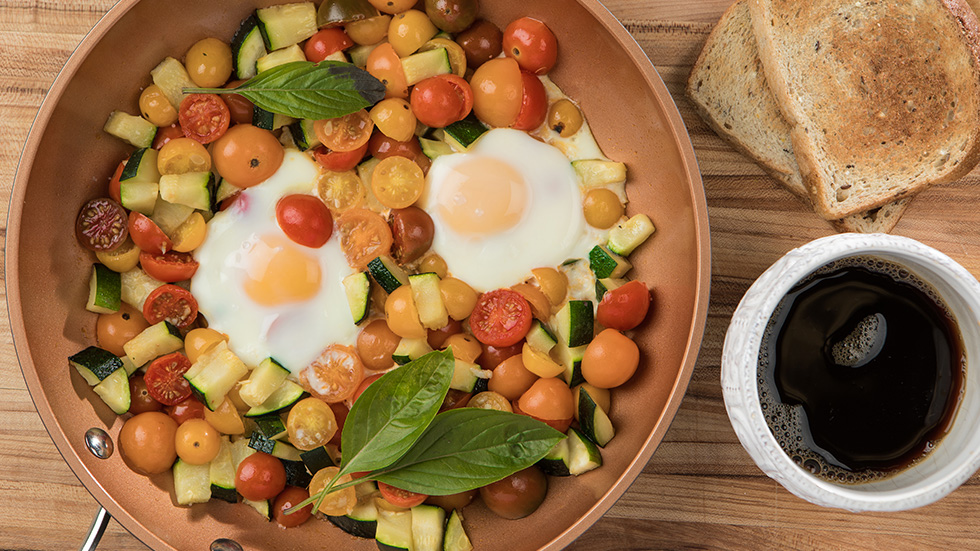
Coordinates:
[532,44]
[147,235]
[114,182]
[166,134]
[204,117]
[339,161]
[491,356]
[289,498]
[260,476]
[191,408]
[500,318]
[534,103]
[326,42]
[442,100]
[399,497]
[560,425]
[139,397]
[170,303]
[340,412]
[305,219]
[625,307]
[382,147]
[168,267]
[240,108]
[165,379]
[363,386]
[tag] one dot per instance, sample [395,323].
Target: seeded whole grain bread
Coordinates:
[882,96]
[729,90]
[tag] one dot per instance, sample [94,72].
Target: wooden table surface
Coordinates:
[700,490]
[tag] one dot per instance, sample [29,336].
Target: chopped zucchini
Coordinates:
[215,373]
[316,459]
[152,342]
[222,473]
[271,426]
[141,166]
[358,289]
[456,538]
[594,422]
[466,376]
[423,65]
[555,463]
[607,264]
[410,349]
[338,12]
[170,216]
[628,235]
[539,338]
[139,196]
[428,526]
[224,191]
[575,323]
[263,381]
[583,455]
[428,300]
[286,24]
[132,129]
[282,450]
[394,525]
[355,527]
[304,135]
[114,391]
[286,55]
[239,451]
[95,364]
[286,395]
[359,54]
[171,76]
[296,474]
[192,483]
[192,189]
[362,522]
[136,286]
[104,290]
[597,172]
[263,507]
[387,273]
[435,148]
[129,365]
[247,46]
[465,132]
[365,171]
[571,360]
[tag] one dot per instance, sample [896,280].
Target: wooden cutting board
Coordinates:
[700,490]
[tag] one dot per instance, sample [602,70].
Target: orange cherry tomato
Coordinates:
[363,386]
[290,497]
[375,345]
[147,442]
[247,155]
[560,425]
[335,375]
[325,43]
[548,399]
[347,133]
[139,397]
[114,330]
[501,318]
[114,182]
[364,236]
[167,133]
[399,497]
[168,267]
[610,359]
[147,235]
[305,220]
[532,44]
[625,307]
[197,442]
[442,100]
[260,476]
[339,161]
[498,92]
[171,303]
[165,379]
[204,117]
[534,103]
[511,379]
[385,65]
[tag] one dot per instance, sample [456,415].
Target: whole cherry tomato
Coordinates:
[339,161]
[625,307]
[363,386]
[165,379]
[532,44]
[147,442]
[412,231]
[189,408]
[498,92]
[518,495]
[548,399]
[382,147]
[204,117]
[139,397]
[260,476]
[305,219]
[501,318]
[147,235]
[326,42]
[247,155]
[610,359]
[442,100]
[241,108]
[491,356]
[168,267]
[399,497]
[112,331]
[290,497]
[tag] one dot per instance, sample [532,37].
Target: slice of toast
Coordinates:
[882,96]
[729,90]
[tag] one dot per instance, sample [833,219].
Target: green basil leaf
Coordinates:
[306,90]
[468,448]
[394,411]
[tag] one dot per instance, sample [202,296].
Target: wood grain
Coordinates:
[700,490]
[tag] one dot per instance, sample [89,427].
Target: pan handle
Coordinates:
[99,524]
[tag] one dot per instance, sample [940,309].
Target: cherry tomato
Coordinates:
[501,318]
[339,161]
[310,424]
[442,100]
[625,307]
[364,236]
[181,155]
[167,133]
[534,103]
[560,425]
[326,42]
[610,359]
[403,315]
[204,117]
[200,340]
[532,44]
[114,182]
[225,418]
[394,118]
[481,42]
[397,182]
[260,476]
[399,497]
[290,497]
[340,502]
[114,330]
[385,65]
[335,375]
[491,356]
[247,155]
[140,400]
[437,337]
[375,345]
[168,267]
[518,495]
[382,147]
[146,441]
[511,379]
[363,386]
[208,62]
[347,133]
[548,399]
[197,442]
[453,501]
[189,408]
[305,220]
[241,108]
[455,399]
[147,235]
[165,379]
[170,303]
[498,92]
[340,191]
[340,412]
[101,225]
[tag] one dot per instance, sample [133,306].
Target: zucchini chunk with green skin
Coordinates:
[191,189]
[131,129]
[139,196]
[428,527]
[286,395]
[357,287]
[222,473]
[607,264]
[304,135]
[170,216]
[215,373]
[263,507]
[104,290]
[270,426]
[114,391]
[394,526]
[316,459]
[141,167]
[410,349]
[575,323]
[466,375]
[456,538]
[555,463]
[362,522]
[95,364]
[263,382]
[239,451]
[192,483]
[539,338]
[296,474]
[247,46]
[276,58]
[466,131]
[428,300]
[594,422]
[387,273]
[603,286]
[286,24]
[628,235]
[153,342]
[136,286]
[434,148]
[423,65]
[356,527]
[571,359]
[583,454]
[171,76]
[275,448]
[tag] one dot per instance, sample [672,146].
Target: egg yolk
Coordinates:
[277,272]
[482,196]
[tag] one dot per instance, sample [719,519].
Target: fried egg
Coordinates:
[271,296]
[507,205]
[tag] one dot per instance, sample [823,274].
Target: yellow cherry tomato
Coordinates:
[397,182]
[155,107]
[403,315]
[540,305]
[368,31]
[225,418]
[553,283]
[540,363]
[190,235]
[310,424]
[197,442]
[123,258]
[340,191]
[409,30]
[337,503]
[392,6]
[208,63]
[385,65]
[602,208]
[490,400]
[395,119]
[511,379]
[147,442]
[458,296]
[498,92]
[200,340]
[465,347]
[435,264]
[610,359]
[181,155]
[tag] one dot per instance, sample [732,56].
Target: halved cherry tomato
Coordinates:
[364,236]
[204,117]
[399,497]
[260,476]
[363,386]
[625,307]
[165,134]
[170,303]
[304,219]
[165,379]
[385,65]
[501,318]
[534,103]
[101,225]
[168,267]
[190,408]
[442,100]
[397,182]
[147,235]
[289,498]
[382,147]
[139,397]
[335,375]
[532,44]
[247,155]
[114,182]
[339,161]
[347,133]
[326,42]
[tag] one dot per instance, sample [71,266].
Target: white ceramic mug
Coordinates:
[956,457]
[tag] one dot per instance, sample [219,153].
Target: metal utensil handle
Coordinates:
[99,524]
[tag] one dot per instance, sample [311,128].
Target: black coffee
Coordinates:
[861,370]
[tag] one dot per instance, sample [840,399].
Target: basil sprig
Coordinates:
[306,90]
